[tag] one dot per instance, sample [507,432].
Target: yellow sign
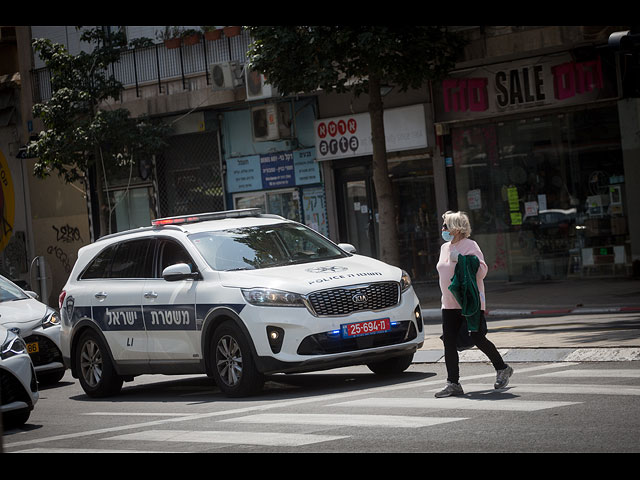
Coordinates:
[7,203]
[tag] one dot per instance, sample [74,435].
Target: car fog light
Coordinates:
[275,335]
[418,313]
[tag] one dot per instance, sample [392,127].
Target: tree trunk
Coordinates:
[387,228]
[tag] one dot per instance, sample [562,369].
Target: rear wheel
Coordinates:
[96,373]
[232,363]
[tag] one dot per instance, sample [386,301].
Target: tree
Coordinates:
[360,59]
[80,134]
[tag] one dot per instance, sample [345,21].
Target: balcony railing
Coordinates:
[157,64]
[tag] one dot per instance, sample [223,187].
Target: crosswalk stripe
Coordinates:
[271,439]
[455,403]
[345,420]
[81,450]
[564,389]
[608,373]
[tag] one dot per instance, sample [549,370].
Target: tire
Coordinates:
[96,373]
[15,419]
[232,364]
[391,365]
[50,378]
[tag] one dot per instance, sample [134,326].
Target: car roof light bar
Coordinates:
[201,217]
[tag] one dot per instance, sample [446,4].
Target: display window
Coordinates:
[545,194]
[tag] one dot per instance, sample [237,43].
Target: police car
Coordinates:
[236,295]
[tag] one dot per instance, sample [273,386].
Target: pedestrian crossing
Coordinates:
[357,414]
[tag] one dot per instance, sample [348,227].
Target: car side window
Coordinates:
[170,253]
[99,267]
[132,260]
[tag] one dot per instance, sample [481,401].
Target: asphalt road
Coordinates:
[548,407]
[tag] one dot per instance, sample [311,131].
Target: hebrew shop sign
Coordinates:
[350,136]
[533,83]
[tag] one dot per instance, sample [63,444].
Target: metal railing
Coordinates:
[138,67]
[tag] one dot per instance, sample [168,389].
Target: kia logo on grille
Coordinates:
[359,298]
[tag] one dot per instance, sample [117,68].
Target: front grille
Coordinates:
[12,389]
[47,352]
[346,300]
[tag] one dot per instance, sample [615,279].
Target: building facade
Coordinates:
[531,134]
[534,150]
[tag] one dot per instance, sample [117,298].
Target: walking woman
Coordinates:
[459,249]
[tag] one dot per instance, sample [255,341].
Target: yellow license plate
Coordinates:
[33,347]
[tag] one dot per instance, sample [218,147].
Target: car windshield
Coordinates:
[9,291]
[251,248]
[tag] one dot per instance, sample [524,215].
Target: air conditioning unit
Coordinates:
[257,87]
[226,75]
[270,122]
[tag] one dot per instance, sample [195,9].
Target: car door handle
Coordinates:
[101,295]
[150,295]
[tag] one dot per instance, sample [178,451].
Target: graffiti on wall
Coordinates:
[65,234]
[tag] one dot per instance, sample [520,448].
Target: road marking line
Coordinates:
[345,420]
[82,450]
[268,406]
[236,438]
[455,403]
[565,389]
[139,414]
[610,373]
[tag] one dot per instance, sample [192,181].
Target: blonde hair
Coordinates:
[457,221]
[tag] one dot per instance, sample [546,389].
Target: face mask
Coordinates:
[446,236]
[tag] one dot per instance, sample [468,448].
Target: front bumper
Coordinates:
[18,384]
[315,343]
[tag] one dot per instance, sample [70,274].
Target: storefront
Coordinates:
[270,162]
[533,154]
[344,143]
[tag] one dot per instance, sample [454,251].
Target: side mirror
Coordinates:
[179,271]
[347,247]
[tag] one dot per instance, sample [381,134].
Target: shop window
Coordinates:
[545,195]
[419,222]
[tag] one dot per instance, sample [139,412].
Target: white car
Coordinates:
[39,326]
[18,385]
[236,295]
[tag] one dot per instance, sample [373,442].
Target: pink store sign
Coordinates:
[516,86]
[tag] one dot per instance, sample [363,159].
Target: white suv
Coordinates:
[236,295]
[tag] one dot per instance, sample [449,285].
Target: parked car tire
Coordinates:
[15,419]
[232,363]
[96,373]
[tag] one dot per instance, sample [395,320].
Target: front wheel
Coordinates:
[96,373]
[391,365]
[232,363]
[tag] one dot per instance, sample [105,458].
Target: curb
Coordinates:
[610,354]
[507,312]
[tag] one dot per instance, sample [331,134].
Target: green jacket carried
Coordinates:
[464,288]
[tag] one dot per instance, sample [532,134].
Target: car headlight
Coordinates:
[51,319]
[405,281]
[273,298]
[12,345]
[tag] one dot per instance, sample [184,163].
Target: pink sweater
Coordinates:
[446,269]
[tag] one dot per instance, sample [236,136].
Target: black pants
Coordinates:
[452,320]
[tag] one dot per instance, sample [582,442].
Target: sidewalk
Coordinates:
[572,320]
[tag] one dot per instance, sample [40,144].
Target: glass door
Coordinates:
[357,210]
